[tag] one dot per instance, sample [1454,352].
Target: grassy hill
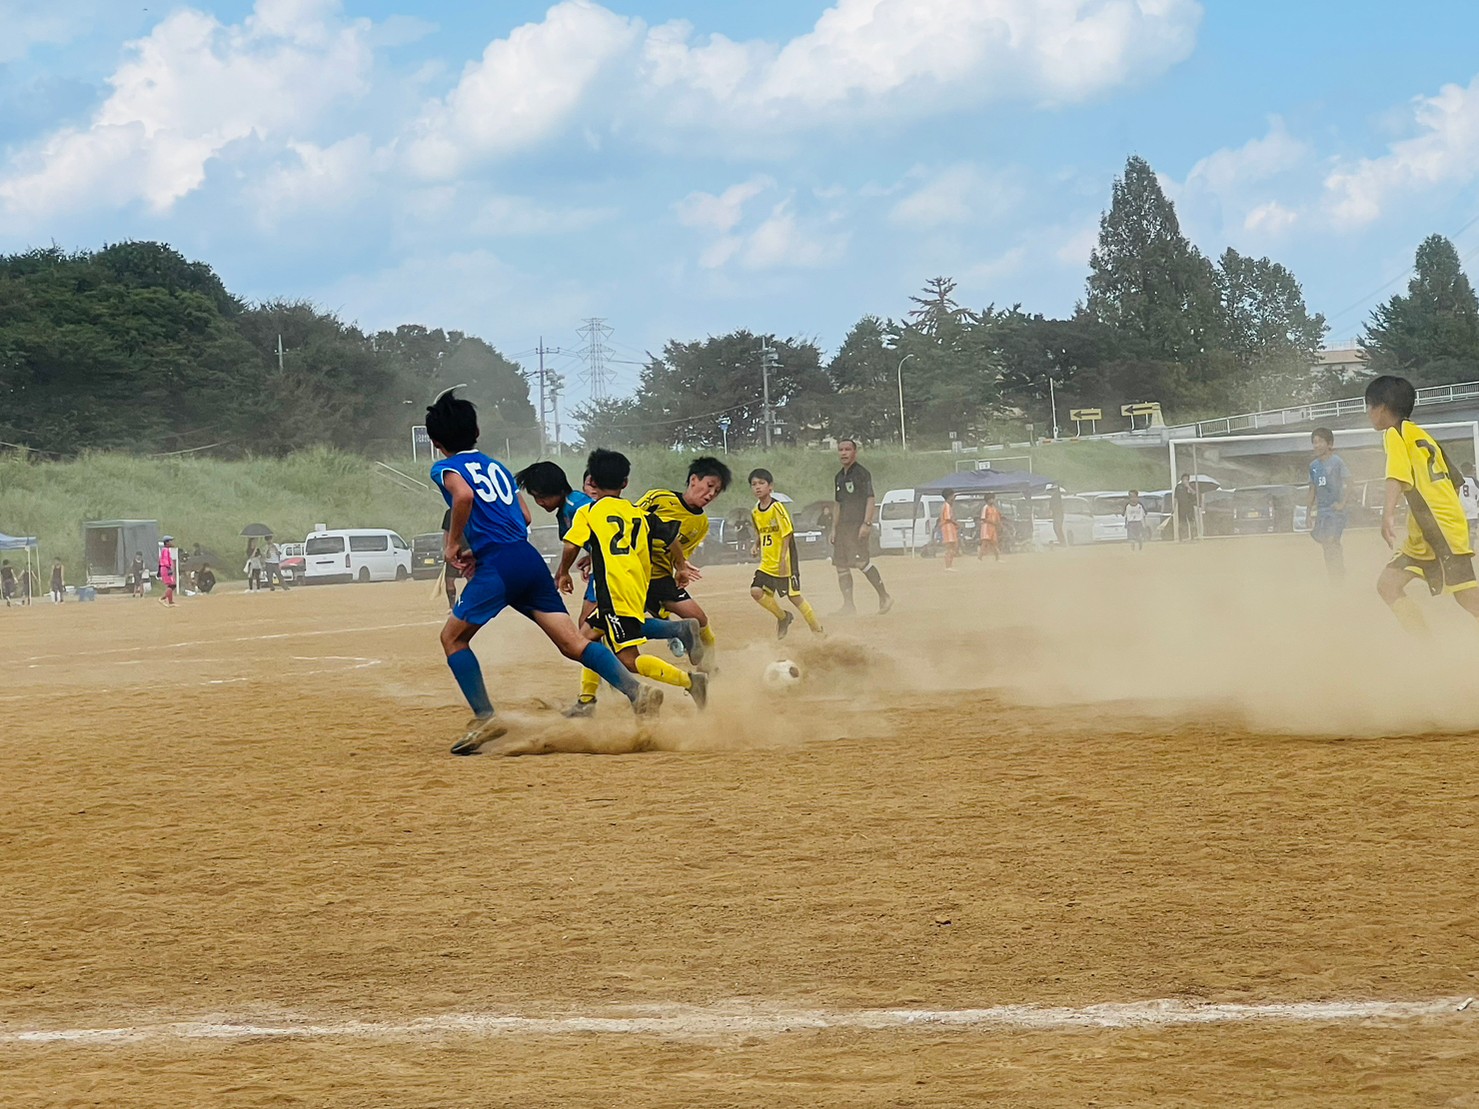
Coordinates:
[207,501]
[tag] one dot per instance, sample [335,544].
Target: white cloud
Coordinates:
[1271,218]
[866,58]
[1234,193]
[1444,150]
[317,177]
[722,213]
[187,92]
[524,88]
[27,23]
[784,242]
[779,240]
[957,196]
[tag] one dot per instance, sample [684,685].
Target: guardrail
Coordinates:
[1325,410]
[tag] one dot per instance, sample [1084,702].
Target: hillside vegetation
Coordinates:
[209,501]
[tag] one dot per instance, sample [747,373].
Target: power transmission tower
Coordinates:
[545,393]
[597,376]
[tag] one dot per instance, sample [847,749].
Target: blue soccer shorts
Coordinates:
[510,575]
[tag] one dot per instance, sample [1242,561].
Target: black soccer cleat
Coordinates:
[885,603]
[783,626]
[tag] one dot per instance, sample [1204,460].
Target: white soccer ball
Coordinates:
[784,674]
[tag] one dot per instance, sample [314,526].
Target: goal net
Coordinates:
[1259,484]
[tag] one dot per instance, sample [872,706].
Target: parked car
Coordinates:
[356,554]
[1078,521]
[1249,510]
[293,565]
[1108,509]
[906,523]
[426,555]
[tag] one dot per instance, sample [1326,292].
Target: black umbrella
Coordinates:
[256,531]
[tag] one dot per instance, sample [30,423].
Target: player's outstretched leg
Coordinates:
[598,657]
[808,613]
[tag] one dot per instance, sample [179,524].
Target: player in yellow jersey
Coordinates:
[619,537]
[775,542]
[707,478]
[1436,547]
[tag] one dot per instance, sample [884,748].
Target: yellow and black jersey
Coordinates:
[1436,526]
[618,535]
[777,539]
[670,507]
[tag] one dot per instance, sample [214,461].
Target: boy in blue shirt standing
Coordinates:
[488,542]
[1329,483]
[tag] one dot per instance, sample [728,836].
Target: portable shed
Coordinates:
[110,545]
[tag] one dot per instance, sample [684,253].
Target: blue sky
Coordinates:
[682,170]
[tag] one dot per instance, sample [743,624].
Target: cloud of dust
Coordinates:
[1243,633]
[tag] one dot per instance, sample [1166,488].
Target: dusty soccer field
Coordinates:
[1082,828]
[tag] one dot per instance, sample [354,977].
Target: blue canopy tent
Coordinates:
[31,549]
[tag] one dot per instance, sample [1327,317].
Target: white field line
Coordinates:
[721,1021]
[236,639]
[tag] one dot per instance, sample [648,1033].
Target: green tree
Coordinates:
[1430,335]
[936,313]
[864,377]
[684,392]
[1145,278]
[1268,331]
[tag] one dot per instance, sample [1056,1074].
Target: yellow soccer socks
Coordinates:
[649,666]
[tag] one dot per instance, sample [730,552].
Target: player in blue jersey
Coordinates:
[488,542]
[1330,482]
[550,488]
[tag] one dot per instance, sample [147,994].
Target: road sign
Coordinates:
[1085,415]
[1139,409]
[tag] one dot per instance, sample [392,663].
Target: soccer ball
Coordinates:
[782,675]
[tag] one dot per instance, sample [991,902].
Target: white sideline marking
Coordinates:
[708,1022]
[239,639]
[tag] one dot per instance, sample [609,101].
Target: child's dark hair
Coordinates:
[609,470]
[1395,394]
[452,423]
[543,479]
[1325,434]
[764,475]
[710,467]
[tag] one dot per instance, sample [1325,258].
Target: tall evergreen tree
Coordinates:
[1431,334]
[1146,279]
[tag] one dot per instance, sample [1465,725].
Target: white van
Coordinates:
[355,554]
[903,523]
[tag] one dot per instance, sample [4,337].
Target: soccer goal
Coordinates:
[1259,484]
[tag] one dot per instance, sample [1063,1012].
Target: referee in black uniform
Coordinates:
[852,528]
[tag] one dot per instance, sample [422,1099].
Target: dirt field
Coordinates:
[238,866]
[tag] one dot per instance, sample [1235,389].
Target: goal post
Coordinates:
[1259,484]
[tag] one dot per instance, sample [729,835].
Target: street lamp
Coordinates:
[903,435]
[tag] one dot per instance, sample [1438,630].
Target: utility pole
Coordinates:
[279,353]
[556,387]
[769,360]
[542,350]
